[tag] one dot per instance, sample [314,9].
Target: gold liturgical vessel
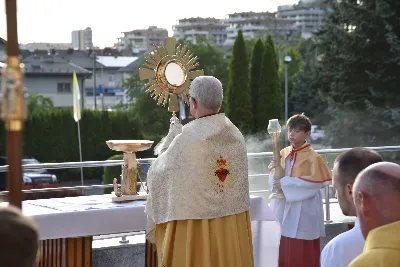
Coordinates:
[130,171]
[274,129]
[169,71]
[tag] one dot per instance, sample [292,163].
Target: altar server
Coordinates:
[300,209]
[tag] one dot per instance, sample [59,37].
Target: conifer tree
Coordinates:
[269,105]
[238,99]
[255,72]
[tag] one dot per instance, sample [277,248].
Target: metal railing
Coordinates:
[104,163]
[71,165]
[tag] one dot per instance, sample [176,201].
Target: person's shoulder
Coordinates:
[344,241]
[312,152]
[333,248]
[286,150]
[232,129]
[314,155]
[377,258]
[228,122]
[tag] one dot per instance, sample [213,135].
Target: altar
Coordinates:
[67,225]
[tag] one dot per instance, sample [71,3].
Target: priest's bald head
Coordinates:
[377,196]
[345,170]
[206,96]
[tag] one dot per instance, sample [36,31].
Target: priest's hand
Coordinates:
[175,129]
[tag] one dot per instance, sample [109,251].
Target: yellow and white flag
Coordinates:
[77,98]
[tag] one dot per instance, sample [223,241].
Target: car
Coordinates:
[37,178]
[316,133]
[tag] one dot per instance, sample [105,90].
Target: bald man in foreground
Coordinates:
[377,201]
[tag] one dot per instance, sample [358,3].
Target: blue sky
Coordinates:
[53,20]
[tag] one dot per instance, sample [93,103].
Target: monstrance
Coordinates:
[169,70]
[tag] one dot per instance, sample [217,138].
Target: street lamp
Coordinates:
[287,60]
[94,78]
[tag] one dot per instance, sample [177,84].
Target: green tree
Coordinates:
[269,105]
[250,43]
[294,69]
[211,59]
[238,100]
[255,73]
[358,71]
[270,41]
[154,118]
[38,102]
[302,97]
[133,84]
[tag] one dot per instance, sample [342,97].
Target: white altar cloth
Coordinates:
[97,215]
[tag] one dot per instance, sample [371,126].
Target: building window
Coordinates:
[64,88]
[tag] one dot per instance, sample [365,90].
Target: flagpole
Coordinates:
[77,116]
[80,150]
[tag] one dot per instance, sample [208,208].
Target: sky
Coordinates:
[53,21]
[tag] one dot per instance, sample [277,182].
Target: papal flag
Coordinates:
[77,98]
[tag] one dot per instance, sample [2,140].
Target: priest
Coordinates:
[198,204]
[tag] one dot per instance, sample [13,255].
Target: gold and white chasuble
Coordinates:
[198,200]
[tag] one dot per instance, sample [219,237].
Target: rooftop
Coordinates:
[199,19]
[52,64]
[251,14]
[81,58]
[151,28]
[115,62]
[132,67]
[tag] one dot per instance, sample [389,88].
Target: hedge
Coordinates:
[51,136]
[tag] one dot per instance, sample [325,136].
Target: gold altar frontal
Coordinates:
[66,252]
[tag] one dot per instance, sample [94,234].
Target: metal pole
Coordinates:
[94,79]
[286,86]
[80,150]
[13,107]
[327,205]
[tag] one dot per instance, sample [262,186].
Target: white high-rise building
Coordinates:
[141,40]
[82,39]
[254,25]
[309,16]
[213,30]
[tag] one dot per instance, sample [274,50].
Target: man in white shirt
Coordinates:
[341,250]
